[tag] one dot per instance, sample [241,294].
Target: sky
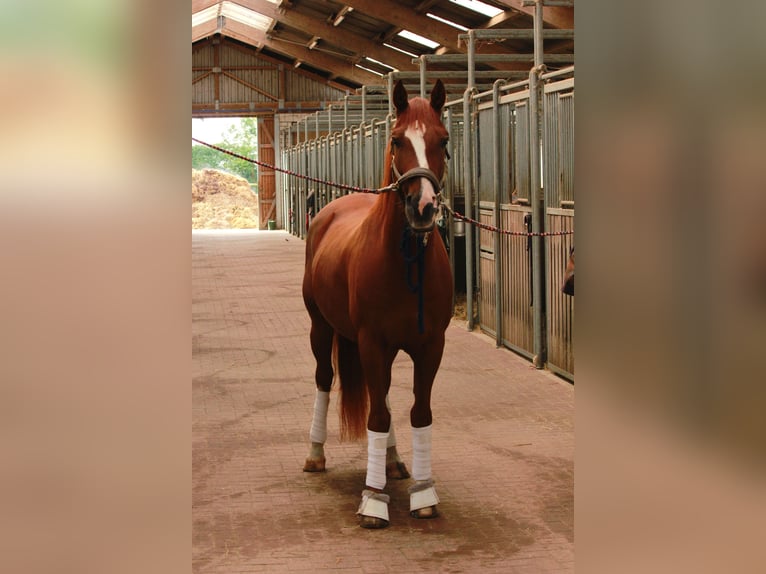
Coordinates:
[211,130]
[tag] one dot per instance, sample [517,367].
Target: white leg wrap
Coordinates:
[318,431]
[421,453]
[376,459]
[374,504]
[391,436]
[422,495]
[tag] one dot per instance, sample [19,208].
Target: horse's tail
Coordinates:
[353,394]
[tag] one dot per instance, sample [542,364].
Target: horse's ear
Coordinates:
[438,96]
[401,101]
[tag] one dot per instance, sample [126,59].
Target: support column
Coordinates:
[267,190]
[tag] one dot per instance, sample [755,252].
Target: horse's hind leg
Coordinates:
[321,346]
[395,467]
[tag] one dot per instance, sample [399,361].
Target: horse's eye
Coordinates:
[395,142]
[444,142]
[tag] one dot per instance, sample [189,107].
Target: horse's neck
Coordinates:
[386,220]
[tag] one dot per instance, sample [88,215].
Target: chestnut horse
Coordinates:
[377,281]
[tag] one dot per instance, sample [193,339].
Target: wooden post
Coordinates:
[267,189]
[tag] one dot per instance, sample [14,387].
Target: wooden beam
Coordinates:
[335,66]
[216,77]
[503,20]
[249,109]
[200,77]
[425,5]
[401,17]
[249,85]
[249,50]
[555,16]
[406,18]
[336,36]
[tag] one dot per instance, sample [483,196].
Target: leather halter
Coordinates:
[416,172]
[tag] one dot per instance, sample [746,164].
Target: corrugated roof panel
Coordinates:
[204,15]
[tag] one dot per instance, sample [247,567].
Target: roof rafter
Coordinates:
[406,18]
[350,46]
[556,16]
[332,34]
[333,65]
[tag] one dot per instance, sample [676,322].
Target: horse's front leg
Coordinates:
[376,365]
[423,497]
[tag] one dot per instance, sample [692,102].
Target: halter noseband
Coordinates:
[414,173]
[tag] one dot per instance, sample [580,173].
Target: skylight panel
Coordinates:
[479,7]
[368,70]
[245,16]
[418,39]
[448,22]
[204,15]
[400,50]
[378,62]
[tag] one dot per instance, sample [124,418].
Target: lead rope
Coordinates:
[419,257]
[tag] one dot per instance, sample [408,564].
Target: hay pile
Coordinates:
[222,201]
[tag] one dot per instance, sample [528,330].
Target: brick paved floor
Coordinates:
[503,440]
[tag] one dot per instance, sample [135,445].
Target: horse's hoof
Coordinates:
[314,465]
[423,499]
[427,512]
[373,510]
[397,470]
[372,522]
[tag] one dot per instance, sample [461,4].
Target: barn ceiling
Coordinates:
[356,42]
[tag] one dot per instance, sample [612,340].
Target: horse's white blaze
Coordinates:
[416,134]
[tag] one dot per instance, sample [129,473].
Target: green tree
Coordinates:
[204,157]
[241,138]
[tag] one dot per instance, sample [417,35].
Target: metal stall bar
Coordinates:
[496,179]
[517,34]
[552,3]
[458,74]
[489,58]
[538,208]
[467,183]
[449,197]
[558,159]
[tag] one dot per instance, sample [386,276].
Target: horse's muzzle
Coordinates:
[421,221]
[422,212]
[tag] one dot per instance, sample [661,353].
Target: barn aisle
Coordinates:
[503,454]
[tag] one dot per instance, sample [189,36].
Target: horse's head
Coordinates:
[418,154]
